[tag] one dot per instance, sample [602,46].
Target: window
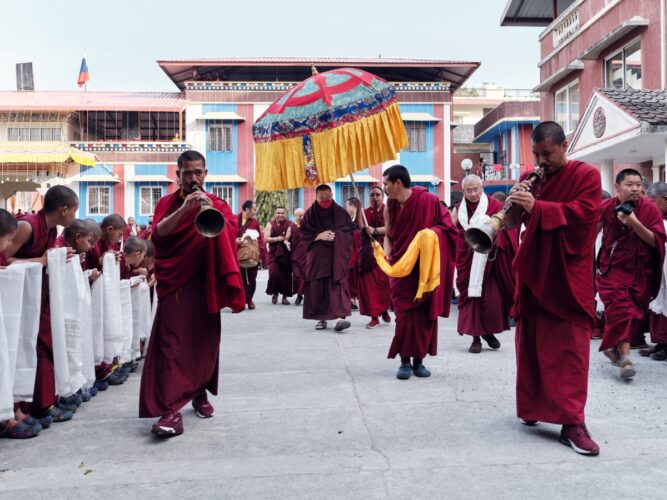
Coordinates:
[566,110]
[293,200]
[220,138]
[416,136]
[33,134]
[148,198]
[99,200]
[224,192]
[348,192]
[624,69]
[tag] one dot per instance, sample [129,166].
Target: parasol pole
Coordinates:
[356,193]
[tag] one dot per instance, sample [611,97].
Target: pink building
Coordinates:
[603,77]
[120,148]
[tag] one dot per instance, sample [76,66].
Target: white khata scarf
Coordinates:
[659,304]
[479,259]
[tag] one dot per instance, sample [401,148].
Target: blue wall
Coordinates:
[419,163]
[222,162]
[146,169]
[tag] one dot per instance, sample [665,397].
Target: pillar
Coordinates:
[607,174]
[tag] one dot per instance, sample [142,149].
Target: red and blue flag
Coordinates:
[83,73]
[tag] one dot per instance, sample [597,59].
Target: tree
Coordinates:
[267,201]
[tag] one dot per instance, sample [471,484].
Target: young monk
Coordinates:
[37,234]
[13,428]
[112,227]
[134,252]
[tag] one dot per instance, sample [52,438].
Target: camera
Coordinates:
[626,207]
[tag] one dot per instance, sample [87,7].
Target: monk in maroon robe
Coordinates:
[197,277]
[484,313]
[280,261]
[658,321]
[247,221]
[130,229]
[409,210]
[629,266]
[374,296]
[112,227]
[555,298]
[36,235]
[326,232]
[353,207]
[298,254]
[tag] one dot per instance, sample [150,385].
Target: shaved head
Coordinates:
[471,180]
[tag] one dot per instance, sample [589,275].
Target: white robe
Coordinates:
[97,312]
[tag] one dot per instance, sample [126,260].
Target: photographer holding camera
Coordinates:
[629,266]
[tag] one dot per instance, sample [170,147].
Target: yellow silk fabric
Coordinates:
[424,247]
[338,152]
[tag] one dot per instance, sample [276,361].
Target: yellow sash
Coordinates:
[424,247]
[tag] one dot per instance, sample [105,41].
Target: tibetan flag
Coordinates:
[83,73]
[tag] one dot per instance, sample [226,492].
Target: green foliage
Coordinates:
[267,201]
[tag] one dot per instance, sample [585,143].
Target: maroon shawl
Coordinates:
[326,258]
[422,210]
[185,254]
[555,259]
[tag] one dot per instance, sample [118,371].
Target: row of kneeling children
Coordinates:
[76,311]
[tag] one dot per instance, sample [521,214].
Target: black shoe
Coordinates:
[354,307]
[529,423]
[639,342]
[647,352]
[475,346]
[404,372]
[341,325]
[420,371]
[492,341]
[660,355]
[299,299]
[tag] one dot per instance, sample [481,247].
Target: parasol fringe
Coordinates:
[338,152]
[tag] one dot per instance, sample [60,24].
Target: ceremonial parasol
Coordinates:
[327,127]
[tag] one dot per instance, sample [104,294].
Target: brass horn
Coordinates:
[480,238]
[209,222]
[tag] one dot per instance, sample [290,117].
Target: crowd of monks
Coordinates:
[569,263]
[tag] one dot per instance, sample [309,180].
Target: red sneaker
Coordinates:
[202,407]
[579,439]
[373,323]
[385,317]
[169,425]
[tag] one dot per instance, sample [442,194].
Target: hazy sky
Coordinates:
[123,38]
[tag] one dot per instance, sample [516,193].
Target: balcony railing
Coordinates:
[499,172]
[566,28]
[131,146]
[499,93]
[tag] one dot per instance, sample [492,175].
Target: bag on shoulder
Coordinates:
[248,253]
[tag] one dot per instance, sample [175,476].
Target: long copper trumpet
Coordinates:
[209,222]
[480,238]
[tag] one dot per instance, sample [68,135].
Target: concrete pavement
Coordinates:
[306,414]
